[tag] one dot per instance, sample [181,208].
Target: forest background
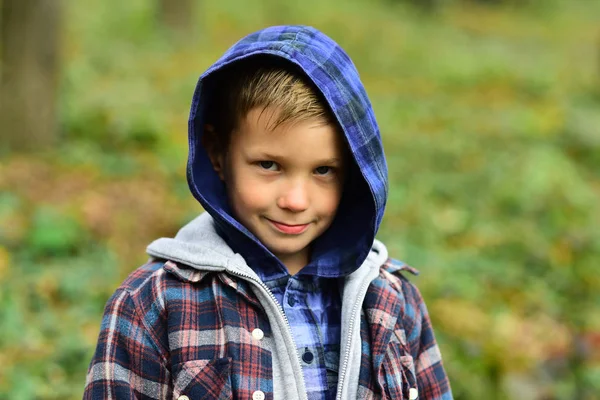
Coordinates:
[490,116]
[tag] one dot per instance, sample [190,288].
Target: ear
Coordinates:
[215,154]
[218,165]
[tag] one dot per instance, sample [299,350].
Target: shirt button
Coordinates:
[184,397]
[258,395]
[291,301]
[307,357]
[413,393]
[258,334]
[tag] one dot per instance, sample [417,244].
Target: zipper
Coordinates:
[281,313]
[349,342]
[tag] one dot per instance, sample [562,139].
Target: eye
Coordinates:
[269,165]
[323,170]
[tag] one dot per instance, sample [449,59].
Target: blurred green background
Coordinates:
[490,114]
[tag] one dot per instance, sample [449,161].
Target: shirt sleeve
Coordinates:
[127,363]
[432,380]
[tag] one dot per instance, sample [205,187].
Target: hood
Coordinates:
[345,245]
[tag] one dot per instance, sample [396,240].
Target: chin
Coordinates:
[286,250]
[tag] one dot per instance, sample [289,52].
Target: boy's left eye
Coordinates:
[323,170]
[269,165]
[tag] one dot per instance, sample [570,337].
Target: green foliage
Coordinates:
[54,234]
[490,116]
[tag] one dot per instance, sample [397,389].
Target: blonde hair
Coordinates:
[265,83]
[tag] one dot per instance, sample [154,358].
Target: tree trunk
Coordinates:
[29,40]
[177,15]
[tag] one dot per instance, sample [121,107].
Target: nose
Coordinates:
[294,196]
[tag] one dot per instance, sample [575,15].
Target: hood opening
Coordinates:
[344,246]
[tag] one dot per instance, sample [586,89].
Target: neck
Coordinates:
[295,263]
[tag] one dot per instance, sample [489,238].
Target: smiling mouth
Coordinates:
[288,229]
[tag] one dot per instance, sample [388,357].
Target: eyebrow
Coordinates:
[330,161]
[324,161]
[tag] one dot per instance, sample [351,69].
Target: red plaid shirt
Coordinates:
[170,330]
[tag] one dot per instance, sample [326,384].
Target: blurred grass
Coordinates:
[491,120]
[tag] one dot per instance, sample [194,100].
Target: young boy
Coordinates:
[279,290]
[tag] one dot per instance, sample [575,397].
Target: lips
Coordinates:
[289,229]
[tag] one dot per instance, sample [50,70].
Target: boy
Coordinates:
[279,290]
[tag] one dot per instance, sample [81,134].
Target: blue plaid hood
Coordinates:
[345,245]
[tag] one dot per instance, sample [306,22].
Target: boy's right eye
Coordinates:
[269,165]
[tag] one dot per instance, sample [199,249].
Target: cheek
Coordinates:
[248,196]
[245,194]
[329,202]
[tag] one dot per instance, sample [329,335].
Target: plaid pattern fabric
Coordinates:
[313,308]
[170,330]
[399,348]
[345,245]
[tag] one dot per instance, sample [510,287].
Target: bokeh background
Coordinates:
[490,114]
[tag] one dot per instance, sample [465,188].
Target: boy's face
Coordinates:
[284,184]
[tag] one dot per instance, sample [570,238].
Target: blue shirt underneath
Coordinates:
[313,308]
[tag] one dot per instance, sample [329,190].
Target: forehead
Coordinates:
[311,139]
